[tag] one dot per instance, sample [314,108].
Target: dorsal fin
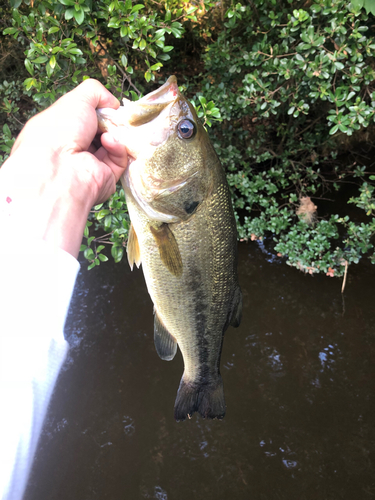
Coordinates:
[165,343]
[132,249]
[168,248]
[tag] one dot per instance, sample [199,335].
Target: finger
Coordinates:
[114,155]
[95,94]
[76,113]
[113,146]
[71,122]
[92,149]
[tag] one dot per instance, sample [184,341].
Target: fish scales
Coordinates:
[196,300]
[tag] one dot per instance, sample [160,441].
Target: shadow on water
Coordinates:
[299,377]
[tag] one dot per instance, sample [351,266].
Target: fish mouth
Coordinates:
[150,106]
[133,114]
[164,94]
[136,113]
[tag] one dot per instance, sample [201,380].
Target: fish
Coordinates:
[183,232]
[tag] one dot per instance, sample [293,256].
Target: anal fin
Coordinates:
[168,248]
[132,249]
[165,343]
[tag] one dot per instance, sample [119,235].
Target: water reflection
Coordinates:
[299,379]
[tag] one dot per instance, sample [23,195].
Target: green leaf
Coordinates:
[202,100]
[369,6]
[29,82]
[49,70]
[315,8]
[15,3]
[69,13]
[333,130]
[89,254]
[137,7]
[75,51]
[40,60]
[117,252]
[29,66]
[159,33]
[142,44]
[67,2]
[10,31]
[79,16]
[191,10]
[107,222]
[342,128]
[52,62]
[54,29]
[103,258]
[357,4]
[124,60]
[156,67]
[7,131]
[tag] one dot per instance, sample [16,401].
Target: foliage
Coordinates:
[112,217]
[289,83]
[287,88]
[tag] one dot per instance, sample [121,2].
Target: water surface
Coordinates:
[299,380]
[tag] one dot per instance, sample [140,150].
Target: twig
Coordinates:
[311,124]
[103,236]
[124,74]
[345,275]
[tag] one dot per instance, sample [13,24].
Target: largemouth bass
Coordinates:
[184,234]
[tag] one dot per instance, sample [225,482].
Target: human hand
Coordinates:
[55,169]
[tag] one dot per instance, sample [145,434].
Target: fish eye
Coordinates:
[186,129]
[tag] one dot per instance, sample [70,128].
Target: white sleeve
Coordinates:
[36,284]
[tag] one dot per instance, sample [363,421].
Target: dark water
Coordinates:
[299,379]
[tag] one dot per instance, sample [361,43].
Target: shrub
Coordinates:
[293,86]
[291,83]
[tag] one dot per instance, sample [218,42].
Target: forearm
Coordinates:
[34,299]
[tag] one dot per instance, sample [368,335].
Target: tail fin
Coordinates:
[207,399]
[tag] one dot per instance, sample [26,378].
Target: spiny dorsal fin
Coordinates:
[165,343]
[168,248]
[132,249]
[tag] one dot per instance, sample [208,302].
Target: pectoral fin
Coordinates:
[132,249]
[165,343]
[168,248]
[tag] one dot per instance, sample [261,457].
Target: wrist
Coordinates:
[55,199]
[65,222]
